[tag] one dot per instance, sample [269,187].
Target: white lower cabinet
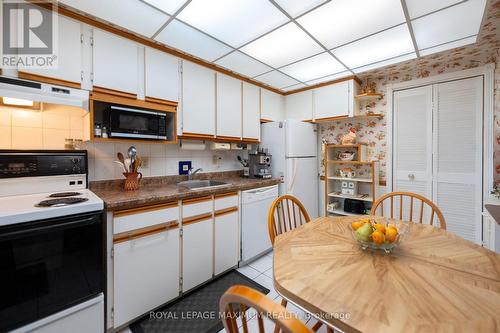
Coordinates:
[146,274]
[226,241]
[197,252]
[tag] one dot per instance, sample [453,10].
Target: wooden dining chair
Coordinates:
[286,213]
[412,198]
[238,299]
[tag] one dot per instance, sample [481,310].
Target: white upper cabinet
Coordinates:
[69,54]
[116,64]
[335,100]
[228,106]
[251,111]
[162,75]
[272,106]
[198,99]
[299,106]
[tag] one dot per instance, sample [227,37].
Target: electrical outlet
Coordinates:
[216,159]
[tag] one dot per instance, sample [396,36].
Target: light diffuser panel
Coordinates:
[170,6]
[133,15]
[189,40]
[297,7]
[233,22]
[243,64]
[311,68]
[418,8]
[283,46]
[384,63]
[457,22]
[328,78]
[384,45]
[276,79]
[448,46]
[342,21]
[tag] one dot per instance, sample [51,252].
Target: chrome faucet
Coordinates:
[191,173]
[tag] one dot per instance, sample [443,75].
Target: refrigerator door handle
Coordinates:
[294,173]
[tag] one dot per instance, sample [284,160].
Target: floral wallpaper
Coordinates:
[373,130]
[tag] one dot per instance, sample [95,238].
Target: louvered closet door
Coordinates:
[457,185]
[412,148]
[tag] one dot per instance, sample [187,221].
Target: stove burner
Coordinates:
[60,202]
[64,194]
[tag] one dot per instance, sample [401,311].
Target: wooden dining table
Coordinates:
[434,281]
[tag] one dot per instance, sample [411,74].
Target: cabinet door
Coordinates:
[69,54]
[299,106]
[226,241]
[162,75]
[272,106]
[146,274]
[228,106]
[198,99]
[251,111]
[115,62]
[197,253]
[332,101]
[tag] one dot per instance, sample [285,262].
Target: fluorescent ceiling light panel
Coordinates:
[233,22]
[192,41]
[283,46]
[170,6]
[243,64]
[297,7]
[342,21]
[276,79]
[384,63]
[320,65]
[328,78]
[133,15]
[457,22]
[384,45]
[418,8]
[295,86]
[448,46]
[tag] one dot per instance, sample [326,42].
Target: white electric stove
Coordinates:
[52,240]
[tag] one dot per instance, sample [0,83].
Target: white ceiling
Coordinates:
[289,44]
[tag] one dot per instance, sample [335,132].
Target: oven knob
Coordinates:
[76,169]
[75,160]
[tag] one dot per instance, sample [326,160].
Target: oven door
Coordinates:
[49,265]
[133,123]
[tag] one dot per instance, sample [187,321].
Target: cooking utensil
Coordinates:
[132,153]
[122,165]
[121,158]
[137,164]
[127,163]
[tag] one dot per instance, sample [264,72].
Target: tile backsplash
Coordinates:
[44,129]
[160,160]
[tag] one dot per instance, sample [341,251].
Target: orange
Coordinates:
[356,225]
[364,220]
[378,237]
[391,234]
[380,227]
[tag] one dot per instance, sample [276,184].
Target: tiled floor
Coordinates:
[261,271]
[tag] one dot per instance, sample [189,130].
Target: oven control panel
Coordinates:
[18,163]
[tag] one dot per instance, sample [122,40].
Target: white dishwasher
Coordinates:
[255,205]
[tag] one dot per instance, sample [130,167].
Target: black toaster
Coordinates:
[354,206]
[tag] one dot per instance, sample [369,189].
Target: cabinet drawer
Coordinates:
[226,200]
[137,218]
[196,206]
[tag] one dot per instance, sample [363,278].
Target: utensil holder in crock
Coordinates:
[132,180]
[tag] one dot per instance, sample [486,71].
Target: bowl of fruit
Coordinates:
[379,233]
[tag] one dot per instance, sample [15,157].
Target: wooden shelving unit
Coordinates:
[368,96]
[365,181]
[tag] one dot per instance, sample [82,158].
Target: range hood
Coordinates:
[44,93]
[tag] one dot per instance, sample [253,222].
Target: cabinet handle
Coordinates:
[140,241]
[411,176]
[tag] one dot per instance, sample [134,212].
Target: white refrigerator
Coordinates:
[293,146]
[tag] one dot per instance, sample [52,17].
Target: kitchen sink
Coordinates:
[201,184]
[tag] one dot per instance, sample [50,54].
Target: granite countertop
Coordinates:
[154,190]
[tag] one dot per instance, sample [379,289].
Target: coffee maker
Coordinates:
[259,163]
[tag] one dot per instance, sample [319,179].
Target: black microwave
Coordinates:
[124,122]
